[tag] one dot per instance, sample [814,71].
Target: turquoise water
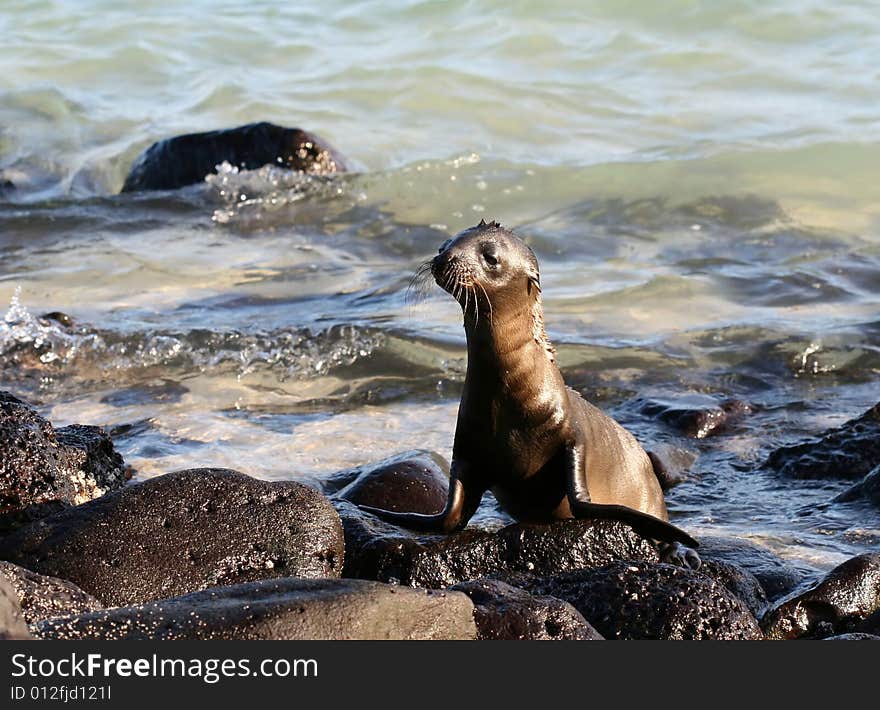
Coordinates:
[699,181]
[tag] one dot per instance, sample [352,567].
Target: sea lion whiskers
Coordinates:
[419,284]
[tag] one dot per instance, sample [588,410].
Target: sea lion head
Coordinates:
[487,267]
[494,275]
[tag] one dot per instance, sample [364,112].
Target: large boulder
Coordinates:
[183,532]
[382,551]
[506,613]
[187,159]
[842,602]
[849,451]
[12,624]
[42,597]
[776,576]
[43,469]
[415,482]
[644,600]
[739,582]
[282,609]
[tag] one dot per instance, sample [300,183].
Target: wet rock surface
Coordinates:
[186,160]
[42,468]
[742,584]
[282,609]
[42,597]
[379,550]
[842,602]
[12,624]
[416,482]
[696,416]
[672,464]
[776,576]
[868,489]
[183,532]
[644,600]
[853,637]
[848,452]
[504,612]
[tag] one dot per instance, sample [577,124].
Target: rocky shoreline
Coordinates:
[214,553]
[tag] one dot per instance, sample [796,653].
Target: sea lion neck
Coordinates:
[498,348]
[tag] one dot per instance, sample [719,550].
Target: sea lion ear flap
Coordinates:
[534,282]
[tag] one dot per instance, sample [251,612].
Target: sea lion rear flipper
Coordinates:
[582,506]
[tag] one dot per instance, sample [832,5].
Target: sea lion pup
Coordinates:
[545,452]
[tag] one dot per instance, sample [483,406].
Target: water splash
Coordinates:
[250,194]
[35,343]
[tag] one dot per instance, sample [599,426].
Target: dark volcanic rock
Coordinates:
[283,608]
[776,576]
[742,584]
[379,550]
[183,532]
[186,160]
[671,464]
[868,488]
[696,415]
[43,597]
[642,600]
[843,600]
[416,483]
[44,467]
[503,612]
[849,452]
[12,625]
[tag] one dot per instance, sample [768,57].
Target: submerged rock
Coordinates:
[184,532]
[695,415]
[44,597]
[775,575]
[644,600]
[282,609]
[853,637]
[842,601]
[42,469]
[412,482]
[848,452]
[868,488]
[187,159]
[503,612]
[12,624]
[379,550]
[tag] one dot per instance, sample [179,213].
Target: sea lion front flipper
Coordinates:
[582,506]
[461,503]
[675,553]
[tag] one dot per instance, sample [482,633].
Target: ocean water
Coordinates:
[699,181]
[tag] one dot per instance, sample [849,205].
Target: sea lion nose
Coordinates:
[444,246]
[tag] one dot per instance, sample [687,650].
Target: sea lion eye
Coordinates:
[490,258]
